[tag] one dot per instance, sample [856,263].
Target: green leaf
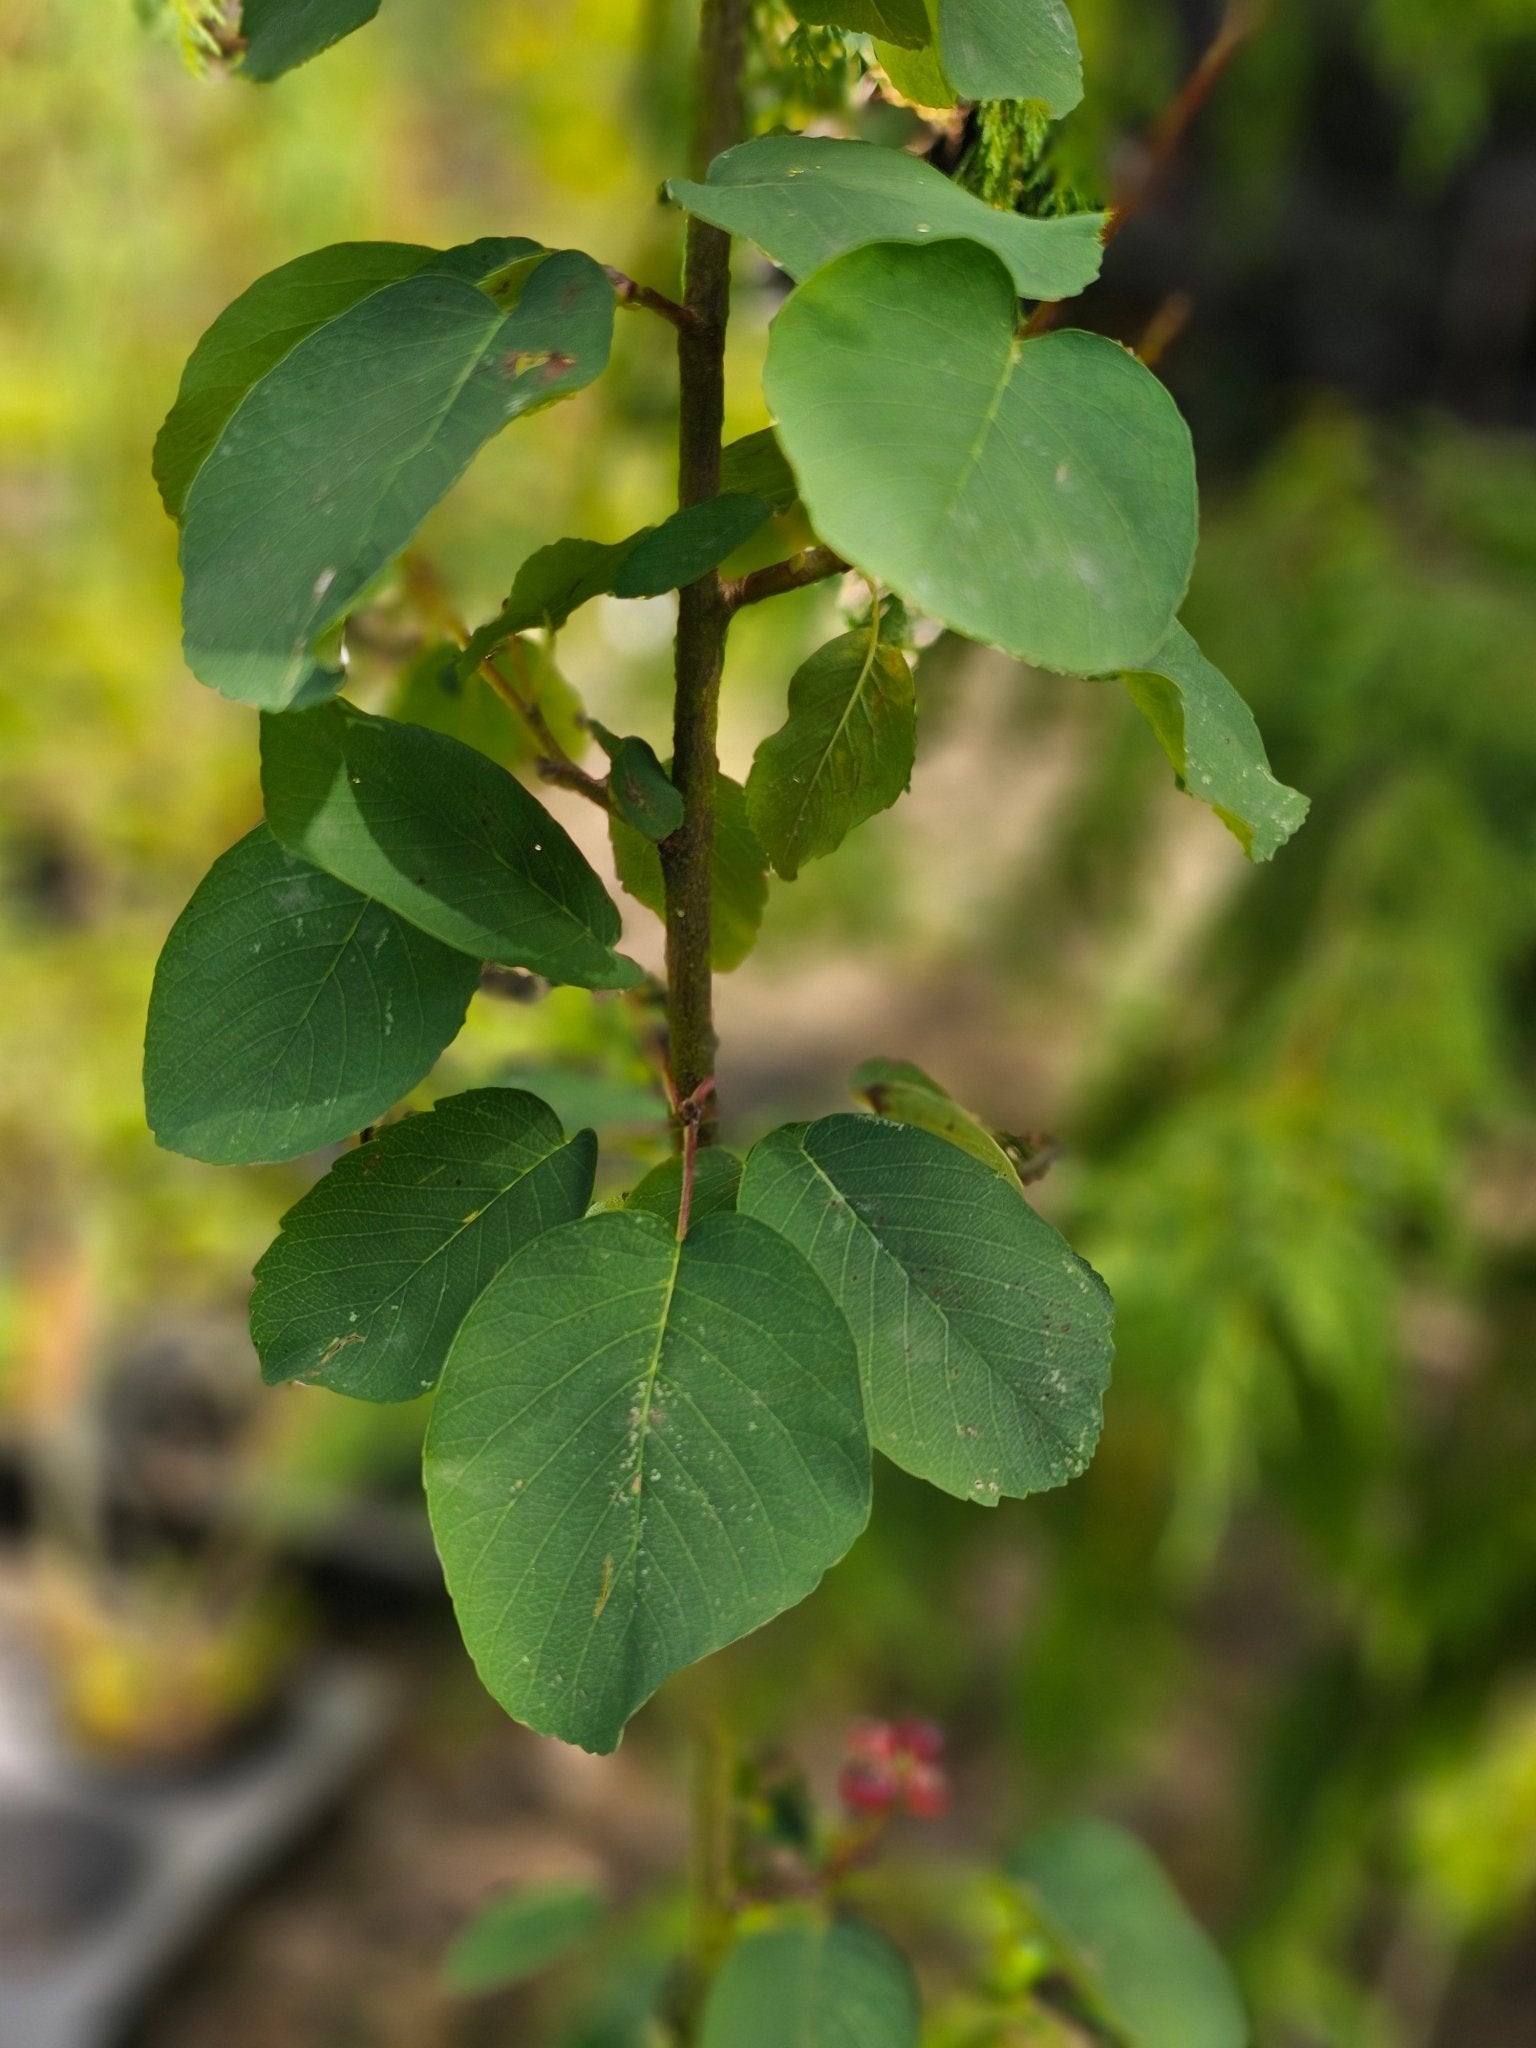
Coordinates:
[844,753]
[381,1261]
[717,1178]
[640,1451]
[444,837]
[1157,1975]
[805,199]
[918,74]
[289,1011]
[280,34]
[267,322]
[330,461]
[689,544]
[842,1986]
[639,788]
[1012,50]
[983,1338]
[904,1093]
[740,875]
[520,1933]
[554,582]
[755,467]
[1210,736]
[898,21]
[1038,495]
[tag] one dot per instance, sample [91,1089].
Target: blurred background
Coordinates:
[1285,1627]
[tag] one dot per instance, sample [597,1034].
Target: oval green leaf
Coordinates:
[378,1266]
[1155,1975]
[289,1011]
[640,1451]
[1213,741]
[330,461]
[739,875]
[443,836]
[519,1934]
[844,753]
[984,1340]
[1037,495]
[280,34]
[842,1986]
[805,199]
[1012,50]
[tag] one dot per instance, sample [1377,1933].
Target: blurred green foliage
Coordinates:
[1285,1622]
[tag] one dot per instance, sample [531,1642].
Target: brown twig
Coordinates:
[555,764]
[810,565]
[1164,328]
[703,618]
[690,1116]
[1167,135]
[629,293]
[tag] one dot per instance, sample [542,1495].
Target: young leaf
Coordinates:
[1157,1977]
[1038,495]
[639,788]
[844,753]
[444,837]
[519,1934]
[331,460]
[807,198]
[554,582]
[289,1011]
[280,34]
[381,1261]
[918,75]
[838,1986]
[1210,736]
[755,467]
[740,875]
[717,1178]
[640,1451]
[983,1338]
[1012,50]
[898,21]
[688,545]
[904,1093]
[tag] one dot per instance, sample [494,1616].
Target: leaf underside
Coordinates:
[805,199]
[983,1339]
[640,1451]
[379,1264]
[289,1010]
[1012,50]
[1214,744]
